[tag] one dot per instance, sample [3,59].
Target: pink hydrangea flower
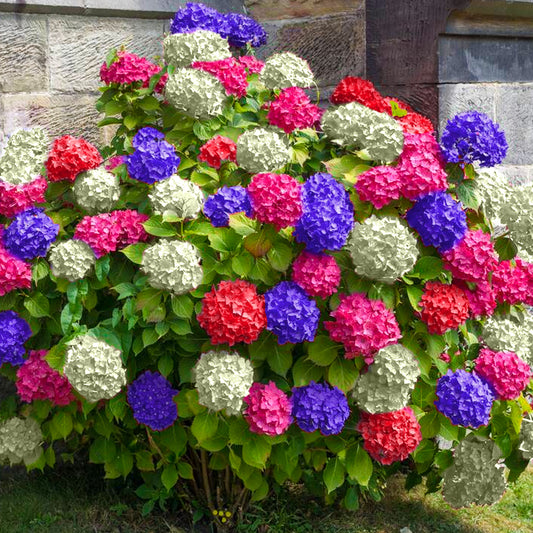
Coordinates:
[229,72]
[292,110]
[276,199]
[114,162]
[473,258]
[444,357]
[131,227]
[253,64]
[482,299]
[318,274]
[513,284]
[17,198]
[364,326]
[14,273]
[268,410]
[421,166]
[505,371]
[379,185]
[36,380]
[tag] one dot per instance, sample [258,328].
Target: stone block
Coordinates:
[79,45]
[422,98]
[286,9]
[23,53]
[333,45]
[517,175]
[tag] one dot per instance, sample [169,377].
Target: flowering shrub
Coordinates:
[244,289]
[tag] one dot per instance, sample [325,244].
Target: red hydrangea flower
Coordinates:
[131,227]
[318,274]
[415,123]
[444,357]
[352,89]
[513,284]
[421,166]
[218,149]
[233,312]
[505,371]
[473,258]
[443,306]
[268,410]
[292,110]
[390,437]
[229,72]
[482,299]
[276,199]
[17,198]
[130,68]
[14,273]
[70,156]
[36,380]
[364,326]
[253,65]
[379,185]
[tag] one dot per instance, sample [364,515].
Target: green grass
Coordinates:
[77,501]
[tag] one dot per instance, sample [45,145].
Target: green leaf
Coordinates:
[114,107]
[148,103]
[37,305]
[280,256]
[62,424]
[204,425]
[351,499]
[123,462]
[185,470]
[466,192]
[280,358]
[255,451]
[322,351]
[347,167]
[242,225]
[334,474]
[428,267]
[414,293]
[242,264]
[165,365]
[359,465]
[101,267]
[224,240]
[430,424]
[144,461]
[505,248]
[182,306]
[342,373]
[305,371]
[174,438]
[155,226]
[169,476]
[102,451]
[111,57]
[397,111]
[134,252]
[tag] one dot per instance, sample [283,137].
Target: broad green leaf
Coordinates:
[322,351]
[342,373]
[182,306]
[429,424]
[62,424]
[505,248]
[102,450]
[466,192]
[37,305]
[148,103]
[169,476]
[280,358]
[280,256]
[334,474]
[428,267]
[242,225]
[359,465]
[204,425]
[305,371]
[174,438]
[256,450]
[155,226]
[414,293]
[134,252]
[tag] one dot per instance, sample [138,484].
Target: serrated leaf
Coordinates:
[182,306]
[466,192]
[505,248]
[242,225]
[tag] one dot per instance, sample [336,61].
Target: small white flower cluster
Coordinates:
[23,156]
[223,379]
[390,379]
[178,197]
[94,368]
[71,260]
[492,190]
[182,49]
[526,438]
[20,441]
[262,150]
[96,191]
[173,266]
[196,93]
[377,134]
[286,70]
[476,477]
[382,248]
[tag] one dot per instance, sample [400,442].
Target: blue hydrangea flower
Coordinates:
[14,332]
[472,137]
[327,217]
[194,17]
[465,398]
[439,220]
[291,314]
[239,29]
[154,158]
[30,234]
[151,398]
[227,201]
[320,406]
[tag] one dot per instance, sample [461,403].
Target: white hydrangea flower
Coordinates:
[173,266]
[517,214]
[96,191]
[390,379]
[23,156]
[182,49]
[286,70]
[20,441]
[196,93]
[526,438]
[262,150]
[71,260]
[377,134]
[492,190]
[94,368]
[223,379]
[178,197]
[382,248]
[476,476]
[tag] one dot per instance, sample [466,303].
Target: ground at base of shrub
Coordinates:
[77,501]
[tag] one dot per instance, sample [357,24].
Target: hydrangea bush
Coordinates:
[243,289]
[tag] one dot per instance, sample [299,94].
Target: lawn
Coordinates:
[77,501]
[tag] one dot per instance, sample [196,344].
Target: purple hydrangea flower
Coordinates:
[240,29]
[472,136]
[320,406]
[291,314]
[327,217]
[154,158]
[465,398]
[14,332]
[227,201]
[194,17]
[30,234]
[151,398]
[439,220]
